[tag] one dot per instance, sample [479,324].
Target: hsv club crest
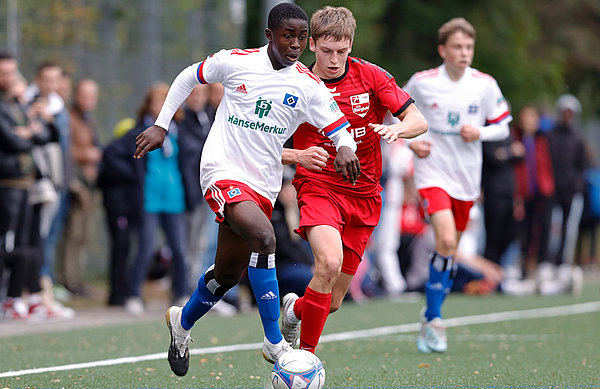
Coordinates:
[360,104]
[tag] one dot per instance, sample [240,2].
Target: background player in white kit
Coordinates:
[268,94]
[463,107]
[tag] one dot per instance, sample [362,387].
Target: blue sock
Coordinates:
[206,295]
[438,286]
[263,278]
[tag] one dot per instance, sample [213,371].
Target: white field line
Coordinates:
[537,313]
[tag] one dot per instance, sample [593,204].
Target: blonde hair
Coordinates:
[337,23]
[455,25]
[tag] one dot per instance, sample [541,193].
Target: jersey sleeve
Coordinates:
[495,106]
[324,113]
[410,86]
[389,94]
[214,68]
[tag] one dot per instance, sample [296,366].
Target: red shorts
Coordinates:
[353,216]
[436,199]
[229,192]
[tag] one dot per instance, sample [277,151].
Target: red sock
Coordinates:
[298,305]
[314,310]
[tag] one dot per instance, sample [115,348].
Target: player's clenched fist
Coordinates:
[313,158]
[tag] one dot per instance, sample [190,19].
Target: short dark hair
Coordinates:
[285,11]
[6,56]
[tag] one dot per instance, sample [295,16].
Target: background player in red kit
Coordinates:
[338,218]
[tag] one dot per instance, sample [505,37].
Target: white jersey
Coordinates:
[260,110]
[453,164]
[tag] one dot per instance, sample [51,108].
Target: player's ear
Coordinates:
[442,51]
[269,34]
[350,46]
[312,44]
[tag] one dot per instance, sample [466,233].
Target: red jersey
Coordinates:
[364,93]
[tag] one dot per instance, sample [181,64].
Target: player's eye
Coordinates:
[288,36]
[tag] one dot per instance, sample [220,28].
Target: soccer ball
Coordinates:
[298,369]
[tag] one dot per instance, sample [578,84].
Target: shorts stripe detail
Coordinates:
[219,199]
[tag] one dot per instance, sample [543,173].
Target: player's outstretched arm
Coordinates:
[412,124]
[346,162]
[313,158]
[151,139]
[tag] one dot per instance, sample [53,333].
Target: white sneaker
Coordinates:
[290,324]
[135,306]
[272,352]
[546,271]
[513,287]
[432,336]
[569,280]
[513,272]
[179,353]
[58,310]
[14,309]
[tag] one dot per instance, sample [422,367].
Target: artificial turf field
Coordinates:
[527,342]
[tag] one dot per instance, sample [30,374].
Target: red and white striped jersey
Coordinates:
[455,165]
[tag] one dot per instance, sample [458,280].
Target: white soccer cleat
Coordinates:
[421,343]
[179,354]
[272,352]
[290,325]
[432,336]
[435,335]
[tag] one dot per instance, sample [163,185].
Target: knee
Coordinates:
[227,278]
[328,268]
[262,241]
[446,244]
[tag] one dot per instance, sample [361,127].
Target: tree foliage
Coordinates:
[536,49]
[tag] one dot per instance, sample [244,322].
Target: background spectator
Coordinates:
[569,163]
[86,156]
[161,196]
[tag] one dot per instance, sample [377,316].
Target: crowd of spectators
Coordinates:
[538,188]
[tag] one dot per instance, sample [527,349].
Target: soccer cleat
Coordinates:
[272,352]
[435,335]
[289,330]
[421,343]
[432,336]
[179,353]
